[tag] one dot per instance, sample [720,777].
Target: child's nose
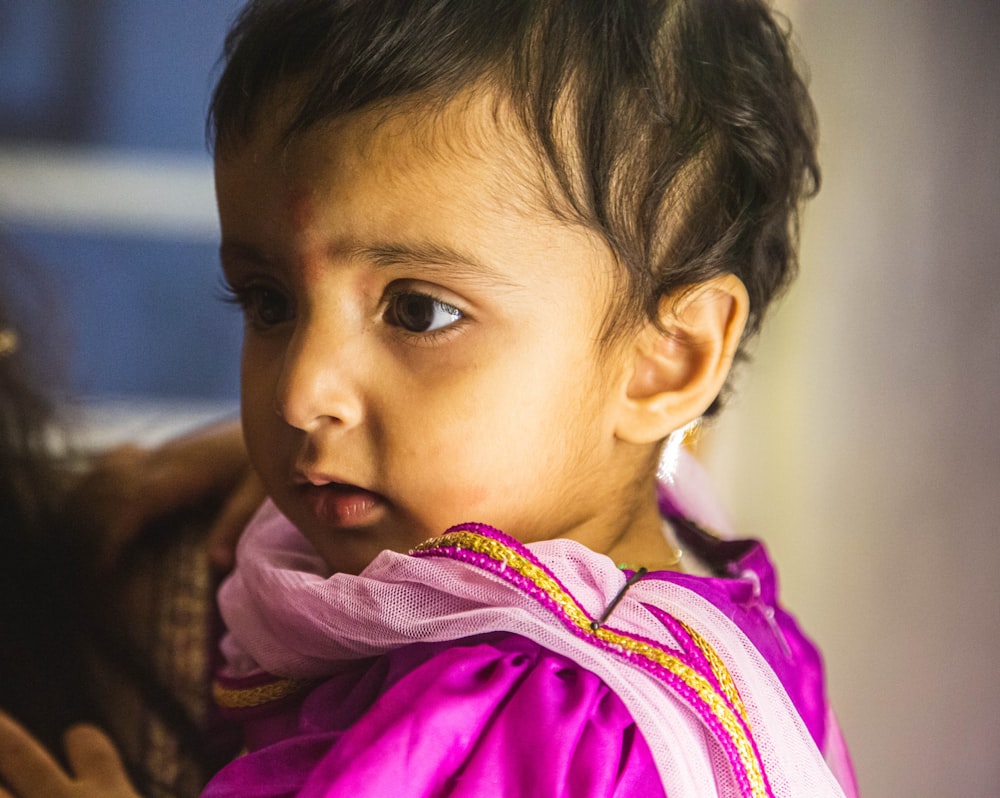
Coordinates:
[317,385]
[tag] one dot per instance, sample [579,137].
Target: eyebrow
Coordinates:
[237,250]
[432,258]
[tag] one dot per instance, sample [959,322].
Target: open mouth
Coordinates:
[336,504]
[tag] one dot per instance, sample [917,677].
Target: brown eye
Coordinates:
[420,313]
[262,305]
[269,307]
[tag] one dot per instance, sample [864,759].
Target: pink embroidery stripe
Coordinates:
[695,672]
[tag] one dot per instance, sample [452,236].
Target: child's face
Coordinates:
[421,339]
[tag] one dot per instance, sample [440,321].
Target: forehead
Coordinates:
[461,174]
[473,140]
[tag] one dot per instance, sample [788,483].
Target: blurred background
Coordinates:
[862,444]
[107,213]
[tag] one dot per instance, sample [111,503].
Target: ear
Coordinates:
[679,367]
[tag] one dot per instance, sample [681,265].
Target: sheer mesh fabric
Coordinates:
[286,616]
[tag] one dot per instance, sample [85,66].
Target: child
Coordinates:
[491,256]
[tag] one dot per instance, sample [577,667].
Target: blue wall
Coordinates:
[119,73]
[136,311]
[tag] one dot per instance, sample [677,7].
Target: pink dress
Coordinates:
[474,667]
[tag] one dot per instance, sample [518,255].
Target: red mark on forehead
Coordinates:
[301,208]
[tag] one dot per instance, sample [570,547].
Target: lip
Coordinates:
[341,505]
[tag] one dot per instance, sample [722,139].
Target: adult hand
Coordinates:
[129,488]
[27,770]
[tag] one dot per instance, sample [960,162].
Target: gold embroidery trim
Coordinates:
[720,670]
[248,697]
[507,557]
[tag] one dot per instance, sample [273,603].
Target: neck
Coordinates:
[640,537]
[649,545]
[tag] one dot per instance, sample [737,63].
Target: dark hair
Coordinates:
[679,130]
[41,670]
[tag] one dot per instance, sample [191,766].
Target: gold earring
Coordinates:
[8,342]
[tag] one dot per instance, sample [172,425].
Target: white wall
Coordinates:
[864,444]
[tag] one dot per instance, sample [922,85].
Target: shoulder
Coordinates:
[492,714]
[744,588]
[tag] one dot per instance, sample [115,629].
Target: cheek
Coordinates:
[253,391]
[448,450]
[255,434]
[259,419]
[483,441]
